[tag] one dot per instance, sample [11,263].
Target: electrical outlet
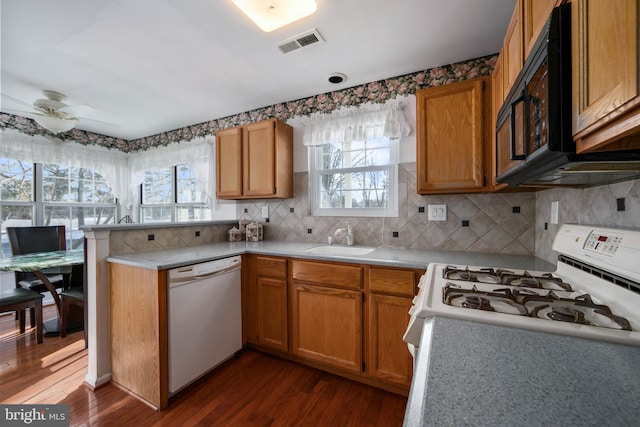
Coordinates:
[265,212]
[554,212]
[437,212]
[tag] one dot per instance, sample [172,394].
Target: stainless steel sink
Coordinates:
[340,250]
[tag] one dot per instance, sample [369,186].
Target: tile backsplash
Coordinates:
[123,242]
[511,223]
[497,223]
[590,206]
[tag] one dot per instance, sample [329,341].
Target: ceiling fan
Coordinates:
[52,113]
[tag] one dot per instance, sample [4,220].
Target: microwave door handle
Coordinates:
[534,104]
[512,138]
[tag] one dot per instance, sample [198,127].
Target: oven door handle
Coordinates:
[512,137]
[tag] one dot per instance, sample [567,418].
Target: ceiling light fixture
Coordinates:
[55,124]
[336,78]
[273,14]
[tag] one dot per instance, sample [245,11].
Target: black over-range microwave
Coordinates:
[534,139]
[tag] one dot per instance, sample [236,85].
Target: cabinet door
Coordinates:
[535,15]
[605,66]
[272,312]
[326,325]
[497,100]
[258,151]
[229,163]
[450,137]
[388,356]
[512,49]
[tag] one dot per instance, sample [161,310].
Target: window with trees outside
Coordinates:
[354,178]
[49,194]
[171,195]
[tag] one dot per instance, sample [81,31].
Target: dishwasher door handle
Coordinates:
[180,281]
[217,272]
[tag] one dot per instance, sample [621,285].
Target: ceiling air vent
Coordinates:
[301,40]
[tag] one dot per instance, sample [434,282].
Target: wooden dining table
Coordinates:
[37,262]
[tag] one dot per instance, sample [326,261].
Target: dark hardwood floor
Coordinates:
[253,389]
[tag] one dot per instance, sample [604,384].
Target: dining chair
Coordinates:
[27,240]
[74,295]
[18,300]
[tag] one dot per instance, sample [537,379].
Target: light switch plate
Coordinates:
[554,212]
[437,212]
[265,212]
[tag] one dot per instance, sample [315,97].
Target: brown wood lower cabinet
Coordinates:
[272,312]
[264,302]
[342,317]
[390,293]
[139,343]
[345,318]
[389,359]
[326,325]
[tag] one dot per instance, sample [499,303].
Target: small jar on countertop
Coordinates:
[254,232]
[242,224]
[234,235]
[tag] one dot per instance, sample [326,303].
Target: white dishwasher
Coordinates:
[205,321]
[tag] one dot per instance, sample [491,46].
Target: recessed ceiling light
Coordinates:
[273,14]
[336,78]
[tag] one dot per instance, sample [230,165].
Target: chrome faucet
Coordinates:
[348,232]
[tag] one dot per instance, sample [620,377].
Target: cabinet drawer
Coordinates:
[392,281]
[345,276]
[273,267]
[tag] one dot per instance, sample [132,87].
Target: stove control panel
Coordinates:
[603,243]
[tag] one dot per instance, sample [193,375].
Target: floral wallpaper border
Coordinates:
[374,92]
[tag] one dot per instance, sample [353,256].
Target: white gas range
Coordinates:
[594,292]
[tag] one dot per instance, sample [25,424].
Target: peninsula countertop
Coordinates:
[385,255]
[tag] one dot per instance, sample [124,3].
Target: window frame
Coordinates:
[38,205]
[174,205]
[315,190]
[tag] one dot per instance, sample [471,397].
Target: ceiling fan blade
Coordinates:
[96,122]
[16,101]
[78,110]
[28,114]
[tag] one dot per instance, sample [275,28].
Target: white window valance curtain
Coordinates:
[198,153]
[123,172]
[111,164]
[356,124]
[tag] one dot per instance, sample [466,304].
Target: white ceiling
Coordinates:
[149,66]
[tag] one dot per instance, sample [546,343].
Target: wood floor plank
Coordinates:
[252,389]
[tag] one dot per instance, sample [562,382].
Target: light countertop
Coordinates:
[389,256]
[477,374]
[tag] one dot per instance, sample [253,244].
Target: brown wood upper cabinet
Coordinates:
[535,14]
[606,100]
[526,24]
[255,161]
[497,98]
[453,127]
[512,48]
